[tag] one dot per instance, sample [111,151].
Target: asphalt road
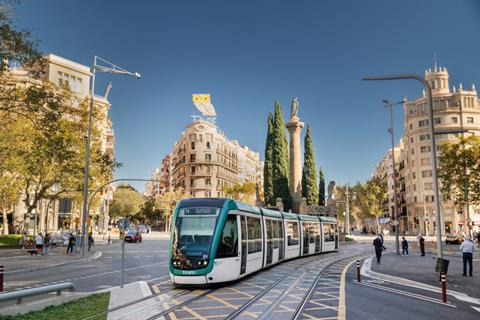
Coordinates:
[143,261]
[373,300]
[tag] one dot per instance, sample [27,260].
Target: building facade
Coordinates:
[454,110]
[204,162]
[161,175]
[61,213]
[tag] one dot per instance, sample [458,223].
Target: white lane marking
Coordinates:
[148,256]
[475,308]
[108,257]
[342,309]
[406,293]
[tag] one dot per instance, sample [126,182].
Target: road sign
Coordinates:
[394,222]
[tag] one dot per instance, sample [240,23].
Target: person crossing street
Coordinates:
[467,252]
[378,244]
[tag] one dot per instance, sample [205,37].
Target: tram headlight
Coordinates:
[205,262]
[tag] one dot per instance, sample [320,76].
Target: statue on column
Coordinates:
[294,108]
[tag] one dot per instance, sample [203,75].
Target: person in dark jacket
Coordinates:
[421,244]
[378,244]
[404,246]
[71,243]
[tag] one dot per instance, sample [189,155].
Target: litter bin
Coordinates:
[442,265]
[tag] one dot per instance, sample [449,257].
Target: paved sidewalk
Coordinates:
[422,269]
[19,260]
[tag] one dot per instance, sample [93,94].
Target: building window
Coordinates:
[437,121]
[192,183]
[192,169]
[413,151]
[208,182]
[469,119]
[425,161]
[208,145]
[208,169]
[428,186]
[424,137]
[192,145]
[414,187]
[426,173]
[411,126]
[413,175]
[454,119]
[423,123]
[411,140]
[425,149]
[208,157]
[192,158]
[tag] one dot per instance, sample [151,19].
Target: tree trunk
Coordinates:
[5,221]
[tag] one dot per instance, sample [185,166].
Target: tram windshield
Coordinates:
[194,229]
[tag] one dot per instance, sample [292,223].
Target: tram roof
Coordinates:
[289,215]
[328,219]
[243,207]
[271,213]
[305,217]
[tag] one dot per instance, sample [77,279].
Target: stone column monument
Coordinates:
[294,126]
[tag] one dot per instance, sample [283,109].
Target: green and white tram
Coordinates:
[218,240]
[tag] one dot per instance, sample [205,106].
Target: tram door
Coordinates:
[317,237]
[243,227]
[306,238]
[281,245]
[269,227]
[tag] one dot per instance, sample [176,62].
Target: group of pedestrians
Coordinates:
[467,248]
[42,243]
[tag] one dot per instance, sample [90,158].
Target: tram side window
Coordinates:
[329,232]
[292,233]
[228,244]
[277,231]
[254,235]
[312,232]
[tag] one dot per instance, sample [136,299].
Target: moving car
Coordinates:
[142,228]
[133,236]
[454,239]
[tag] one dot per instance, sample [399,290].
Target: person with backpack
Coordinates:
[421,244]
[404,246]
[71,243]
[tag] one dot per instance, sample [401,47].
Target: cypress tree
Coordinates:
[309,171]
[267,169]
[280,165]
[321,188]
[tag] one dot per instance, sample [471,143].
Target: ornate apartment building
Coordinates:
[453,110]
[204,161]
[64,72]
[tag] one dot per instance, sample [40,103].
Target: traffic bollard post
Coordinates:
[1,278]
[444,288]
[358,270]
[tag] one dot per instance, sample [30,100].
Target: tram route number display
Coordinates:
[200,211]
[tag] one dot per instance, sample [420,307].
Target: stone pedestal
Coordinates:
[294,127]
[279,204]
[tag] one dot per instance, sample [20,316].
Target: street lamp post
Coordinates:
[105,67]
[347,207]
[387,104]
[433,147]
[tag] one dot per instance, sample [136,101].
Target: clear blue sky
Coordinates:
[248,54]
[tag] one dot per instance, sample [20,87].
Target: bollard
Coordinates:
[358,270]
[1,278]
[444,288]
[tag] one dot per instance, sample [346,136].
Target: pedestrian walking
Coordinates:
[478,238]
[24,240]
[39,243]
[421,244]
[46,243]
[90,241]
[404,246]
[71,243]
[467,252]
[378,244]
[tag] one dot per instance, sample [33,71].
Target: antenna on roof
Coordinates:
[107,91]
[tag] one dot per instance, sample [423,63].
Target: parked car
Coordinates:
[454,239]
[133,236]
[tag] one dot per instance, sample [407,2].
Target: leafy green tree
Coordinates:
[459,171]
[368,199]
[309,171]
[267,169]
[321,188]
[166,204]
[280,164]
[241,192]
[127,202]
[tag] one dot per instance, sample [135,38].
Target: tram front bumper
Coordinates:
[189,279]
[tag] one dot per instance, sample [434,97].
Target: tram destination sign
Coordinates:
[200,211]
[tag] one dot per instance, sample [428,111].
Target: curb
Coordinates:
[367,271]
[95,256]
